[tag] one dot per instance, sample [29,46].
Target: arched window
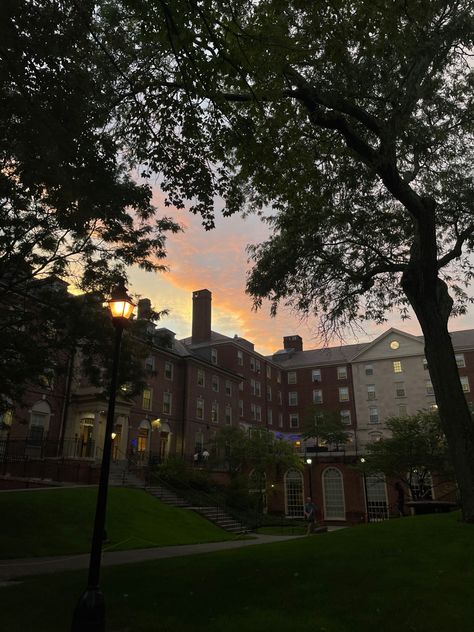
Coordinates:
[40,416]
[377,506]
[294,494]
[333,489]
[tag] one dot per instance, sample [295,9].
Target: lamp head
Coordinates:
[120,304]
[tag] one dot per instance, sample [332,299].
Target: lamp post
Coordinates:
[362,460]
[89,615]
[309,462]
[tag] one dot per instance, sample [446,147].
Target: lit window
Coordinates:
[293,398]
[343,394]
[316,375]
[465,383]
[201,378]
[460,360]
[146,399]
[397,366]
[394,345]
[317,396]
[214,356]
[369,369]
[167,399]
[373,415]
[200,408]
[400,389]
[215,383]
[294,420]
[342,373]
[345,416]
[169,370]
[371,391]
[429,387]
[292,377]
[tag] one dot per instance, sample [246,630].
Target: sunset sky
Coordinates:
[217,260]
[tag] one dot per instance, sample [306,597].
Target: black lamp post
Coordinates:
[366,498]
[89,615]
[309,461]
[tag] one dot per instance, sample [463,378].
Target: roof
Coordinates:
[317,357]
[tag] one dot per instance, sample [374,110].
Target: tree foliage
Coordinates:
[324,426]
[416,450]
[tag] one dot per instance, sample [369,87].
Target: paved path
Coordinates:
[14,569]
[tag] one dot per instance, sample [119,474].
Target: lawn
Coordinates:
[59,521]
[412,574]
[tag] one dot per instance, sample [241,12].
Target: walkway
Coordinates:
[14,569]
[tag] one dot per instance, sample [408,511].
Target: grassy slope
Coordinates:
[59,521]
[413,575]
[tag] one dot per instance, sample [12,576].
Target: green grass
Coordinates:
[414,575]
[59,521]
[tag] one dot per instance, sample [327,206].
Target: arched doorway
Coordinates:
[294,502]
[376,498]
[333,490]
[165,438]
[143,440]
[85,444]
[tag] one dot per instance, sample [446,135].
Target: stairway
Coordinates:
[213,514]
[120,476]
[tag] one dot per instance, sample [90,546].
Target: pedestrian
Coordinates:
[310,515]
[205,455]
[400,499]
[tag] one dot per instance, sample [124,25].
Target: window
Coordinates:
[6,419]
[240,358]
[269,371]
[402,410]
[373,415]
[257,365]
[394,345]
[215,412]
[369,369]
[201,378]
[252,412]
[345,416]
[270,417]
[252,363]
[241,408]
[199,442]
[39,422]
[333,490]
[294,494]
[371,391]
[214,356]
[241,385]
[317,396]
[400,389]
[397,366]
[200,408]
[292,377]
[255,388]
[344,394]
[316,375]
[228,414]
[269,393]
[228,387]
[429,387]
[278,376]
[258,413]
[294,420]
[465,383]
[167,399]
[215,383]
[279,398]
[168,370]
[293,398]
[280,420]
[150,363]
[146,398]
[342,373]
[460,360]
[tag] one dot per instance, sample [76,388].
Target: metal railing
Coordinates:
[29,448]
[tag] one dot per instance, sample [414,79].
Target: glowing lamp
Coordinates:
[121,305]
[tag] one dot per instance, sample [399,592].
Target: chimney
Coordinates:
[201,331]
[293,342]
[144,309]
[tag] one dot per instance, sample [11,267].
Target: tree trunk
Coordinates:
[429,297]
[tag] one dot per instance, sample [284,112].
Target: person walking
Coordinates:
[310,515]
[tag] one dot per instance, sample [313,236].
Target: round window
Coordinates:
[394,344]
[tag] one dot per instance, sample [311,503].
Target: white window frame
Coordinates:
[342,372]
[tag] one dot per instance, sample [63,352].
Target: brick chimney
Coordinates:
[201,331]
[293,342]
[144,309]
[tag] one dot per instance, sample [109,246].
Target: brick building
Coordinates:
[200,384]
